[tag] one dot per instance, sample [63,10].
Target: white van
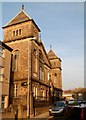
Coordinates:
[71,101]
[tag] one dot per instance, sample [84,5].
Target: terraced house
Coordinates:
[4,74]
[36,78]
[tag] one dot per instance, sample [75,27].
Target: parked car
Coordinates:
[58,108]
[76,112]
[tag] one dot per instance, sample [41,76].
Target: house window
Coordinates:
[36,92]
[55,74]
[36,60]
[55,78]
[41,74]
[2,101]
[1,74]
[43,93]
[36,65]
[1,78]
[15,90]
[48,76]
[15,60]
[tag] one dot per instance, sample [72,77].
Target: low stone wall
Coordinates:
[42,110]
[8,115]
[36,111]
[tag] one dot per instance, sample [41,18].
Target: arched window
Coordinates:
[13,33]
[15,60]
[19,31]
[16,32]
[15,90]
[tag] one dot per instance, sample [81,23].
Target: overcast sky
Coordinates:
[62,26]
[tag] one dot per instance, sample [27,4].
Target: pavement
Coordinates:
[44,116]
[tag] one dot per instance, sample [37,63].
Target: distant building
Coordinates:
[31,65]
[67,96]
[77,94]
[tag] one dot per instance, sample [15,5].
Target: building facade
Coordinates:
[35,74]
[4,74]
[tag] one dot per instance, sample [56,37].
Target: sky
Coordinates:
[62,26]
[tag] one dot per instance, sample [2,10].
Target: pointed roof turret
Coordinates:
[51,55]
[20,18]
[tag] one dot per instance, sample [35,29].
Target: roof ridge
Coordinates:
[51,54]
[17,15]
[26,14]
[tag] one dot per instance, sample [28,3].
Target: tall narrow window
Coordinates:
[13,33]
[36,65]
[43,93]
[48,75]
[19,31]
[55,78]
[36,92]
[40,73]
[36,62]
[16,32]
[1,73]
[15,90]
[15,60]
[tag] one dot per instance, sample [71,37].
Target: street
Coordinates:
[57,118]
[73,113]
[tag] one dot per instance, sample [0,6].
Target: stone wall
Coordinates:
[27,30]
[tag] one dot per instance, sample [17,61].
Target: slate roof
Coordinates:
[19,18]
[51,55]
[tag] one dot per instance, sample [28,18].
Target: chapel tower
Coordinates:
[20,27]
[21,34]
[56,75]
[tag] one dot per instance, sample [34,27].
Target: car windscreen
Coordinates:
[58,104]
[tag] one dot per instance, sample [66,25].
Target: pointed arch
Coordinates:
[15,60]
